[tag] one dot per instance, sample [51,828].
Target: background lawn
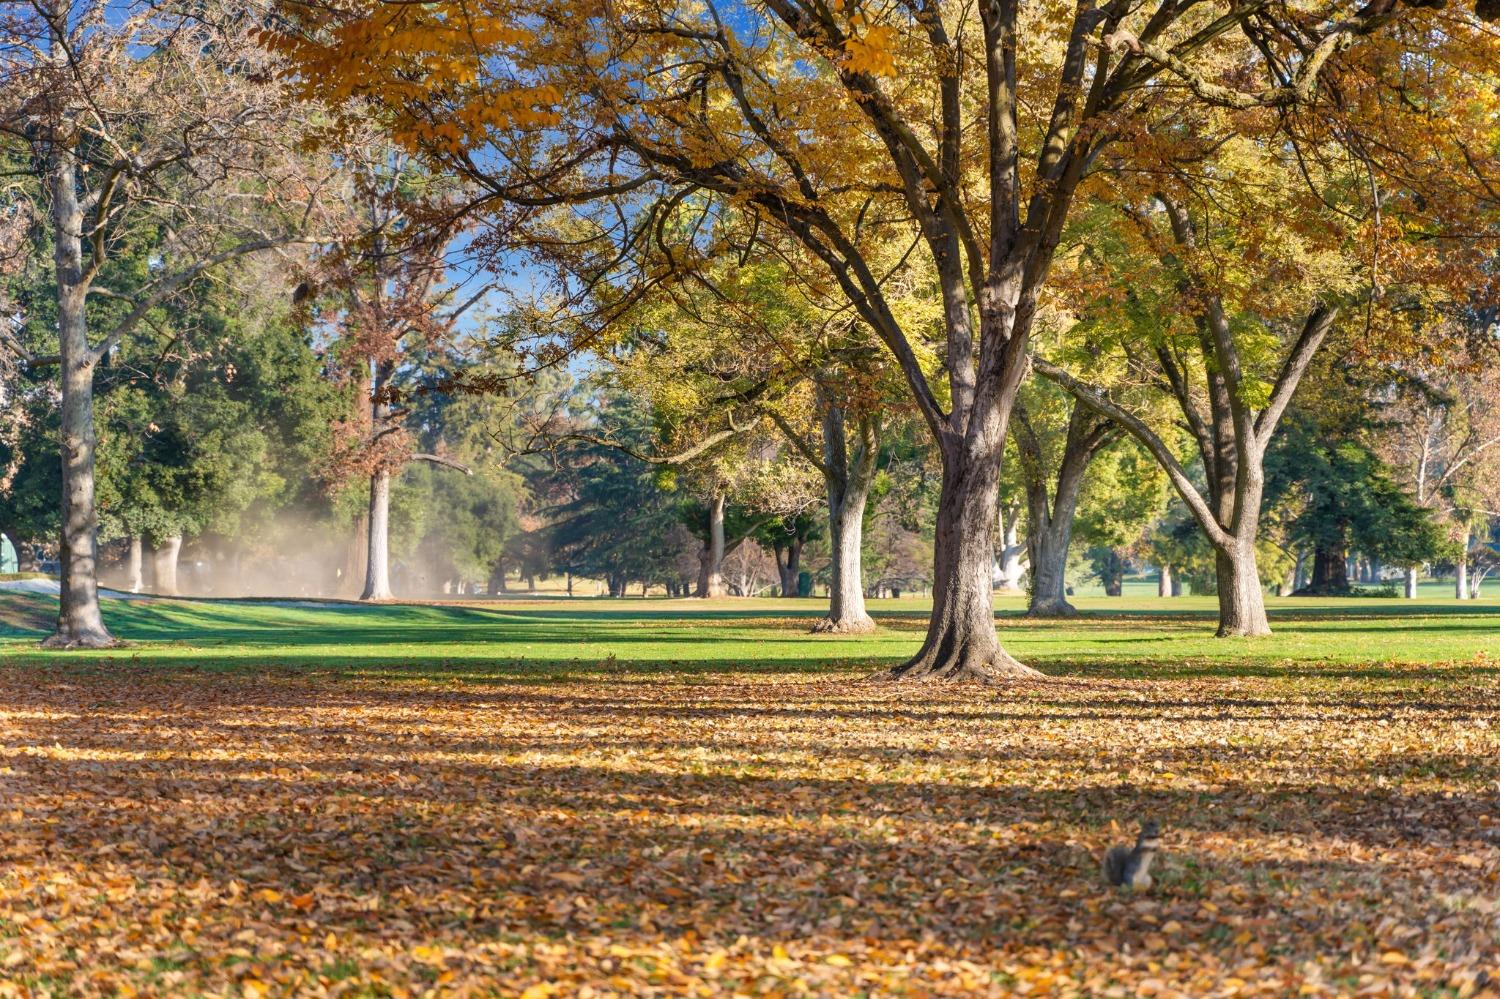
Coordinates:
[651,798]
[562,638]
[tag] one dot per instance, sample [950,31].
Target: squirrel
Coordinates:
[1132,868]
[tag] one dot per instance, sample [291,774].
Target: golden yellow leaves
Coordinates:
[426,70]
[872,51]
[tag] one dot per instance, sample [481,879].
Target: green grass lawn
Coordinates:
[558,637]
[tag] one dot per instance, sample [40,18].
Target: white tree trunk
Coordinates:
[1164,582]
[378,545]
[164,565]
[1012,561]
[1461,576]
[1411,583]
[133,580]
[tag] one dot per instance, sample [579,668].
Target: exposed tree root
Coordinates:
[1242,632]
[855,626]
[83,640]
[1063,609]
[996,667]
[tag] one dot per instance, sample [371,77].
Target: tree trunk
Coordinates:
[789,567]
[378,544]
[1114,576]
[1411,583]
[1330,571]
[711,565]
[1461,573]
[1012,565]
[79,622]
[1164,582]
[961,640]
[848,477]
[133,580]
[164,565]
[846,588]
[1242,605]
[1050,510]
[1049,570]
[26,560]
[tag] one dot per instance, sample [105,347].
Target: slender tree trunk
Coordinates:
[133,580]
[711,561]
[1242,605]
[79,622]
[164,565]
[961,640]
[1411,583]
[846,589]
[1461,572]
[1164,582]
[847,477]
[378,545]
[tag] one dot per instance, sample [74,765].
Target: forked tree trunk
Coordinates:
[133,580]
[378,540]
[1051,508]
[79,622]
[961,640]
[1242,604]
[789,565]
[1049,570]
[164,565]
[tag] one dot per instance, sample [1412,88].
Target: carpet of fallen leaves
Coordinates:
[179,833]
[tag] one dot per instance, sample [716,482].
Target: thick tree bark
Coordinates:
[1330,571]
[79,622]
[1411,583]
[378,539]
[1164,582]
[164,565]
[961,642]
[1242,605]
